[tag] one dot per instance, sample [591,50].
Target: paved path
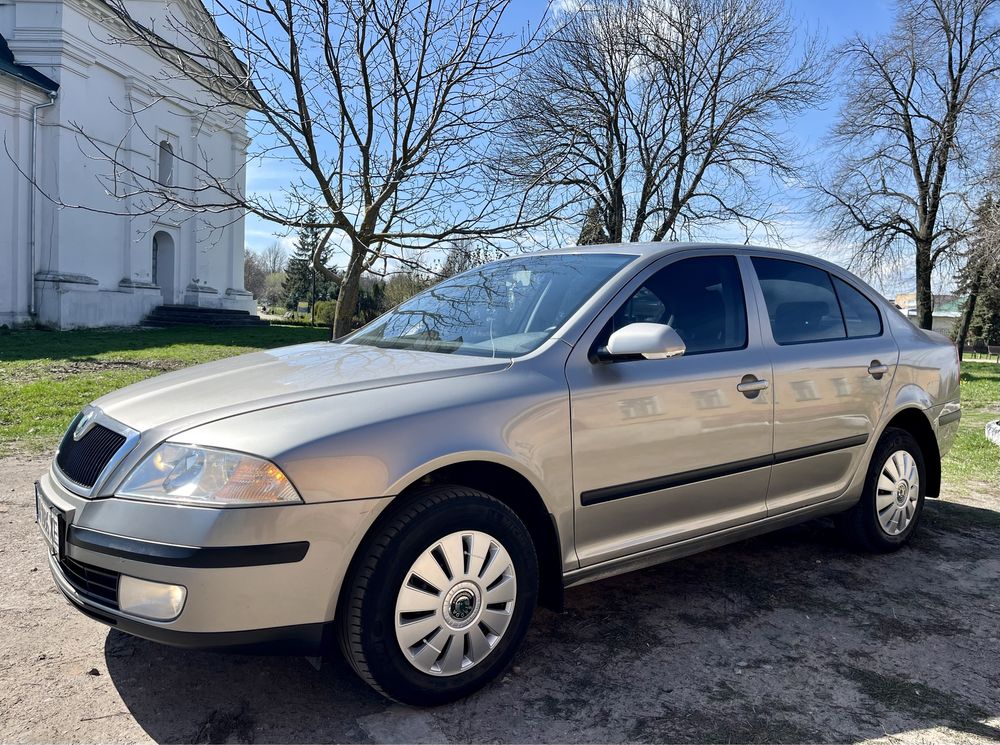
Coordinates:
[786,638]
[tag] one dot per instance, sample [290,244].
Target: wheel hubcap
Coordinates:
[455,604]
[897,492]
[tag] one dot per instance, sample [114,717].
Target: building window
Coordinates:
[166,165]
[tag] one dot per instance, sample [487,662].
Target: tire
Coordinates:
[433,670]
[887,515]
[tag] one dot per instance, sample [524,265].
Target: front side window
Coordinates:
[700,298]
[504,309]
[801,303]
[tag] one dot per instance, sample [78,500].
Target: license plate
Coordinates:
[47,518]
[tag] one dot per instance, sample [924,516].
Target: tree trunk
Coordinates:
[616,215]
[347,298]
[925,301]
[970,309]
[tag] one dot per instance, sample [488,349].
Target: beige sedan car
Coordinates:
[409,493]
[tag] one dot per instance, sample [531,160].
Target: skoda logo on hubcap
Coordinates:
[902,492]
[462,606]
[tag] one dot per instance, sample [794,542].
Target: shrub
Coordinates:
[324,311]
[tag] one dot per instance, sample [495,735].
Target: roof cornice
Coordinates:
[103,11]
[25,73]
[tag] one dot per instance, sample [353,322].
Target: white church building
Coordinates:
[77,251]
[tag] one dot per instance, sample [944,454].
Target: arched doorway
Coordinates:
[163,265]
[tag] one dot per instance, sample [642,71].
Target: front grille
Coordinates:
[83,460]
[94,583]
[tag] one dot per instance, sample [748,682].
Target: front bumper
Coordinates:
[302,639]
[261,577]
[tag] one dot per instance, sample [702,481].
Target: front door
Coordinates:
[833,363]
[669,449]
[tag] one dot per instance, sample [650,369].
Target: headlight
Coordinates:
[204,476]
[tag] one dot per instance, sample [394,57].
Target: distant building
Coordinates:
[69,267]
[947,310]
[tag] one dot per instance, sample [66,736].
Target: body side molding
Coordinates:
[635,488]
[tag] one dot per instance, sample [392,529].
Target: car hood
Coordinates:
[205,393]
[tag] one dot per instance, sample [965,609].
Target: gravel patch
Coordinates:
[786,638]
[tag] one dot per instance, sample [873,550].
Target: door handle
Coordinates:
[751,386]
[876,369]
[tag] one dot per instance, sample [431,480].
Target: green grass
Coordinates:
[974,460]
[47,376]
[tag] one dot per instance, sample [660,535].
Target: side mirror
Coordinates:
[653,341]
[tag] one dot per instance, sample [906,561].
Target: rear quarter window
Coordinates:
[861,317]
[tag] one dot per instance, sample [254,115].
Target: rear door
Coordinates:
[832,362]
[669,449]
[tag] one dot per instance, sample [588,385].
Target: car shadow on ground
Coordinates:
[785,638]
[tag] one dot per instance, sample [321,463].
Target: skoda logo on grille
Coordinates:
[85,423]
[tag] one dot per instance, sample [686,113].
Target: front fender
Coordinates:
[466,456]
[376,443]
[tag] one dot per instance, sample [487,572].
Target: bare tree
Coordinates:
[657,117]
[908,136]
[464,254]
[387,110]
[273,258]
[254,273]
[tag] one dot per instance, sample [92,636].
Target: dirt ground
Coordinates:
[787,638]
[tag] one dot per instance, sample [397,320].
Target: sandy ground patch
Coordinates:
[786,638]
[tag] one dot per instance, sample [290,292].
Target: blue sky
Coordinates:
[834,20]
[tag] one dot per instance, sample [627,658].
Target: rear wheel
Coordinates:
[440,597]
[889,510]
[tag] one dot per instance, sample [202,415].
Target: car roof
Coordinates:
[651,250]
[662,248]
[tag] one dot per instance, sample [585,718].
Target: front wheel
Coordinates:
[440,597]
[893,498]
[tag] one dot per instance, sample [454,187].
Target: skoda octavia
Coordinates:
[410,492]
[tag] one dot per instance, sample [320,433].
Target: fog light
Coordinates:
[156,601]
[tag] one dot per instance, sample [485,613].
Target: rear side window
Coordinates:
[860,314]
[801,303]
[701,298]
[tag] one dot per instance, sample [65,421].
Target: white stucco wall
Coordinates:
[95,262]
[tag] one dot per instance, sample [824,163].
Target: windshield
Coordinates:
[504,309]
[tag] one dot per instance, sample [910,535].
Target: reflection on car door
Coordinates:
[668,449]
[833,363]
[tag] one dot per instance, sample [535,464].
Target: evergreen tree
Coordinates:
[593,231]
[303,284]
[371,301]
[979,280]
[985,324]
